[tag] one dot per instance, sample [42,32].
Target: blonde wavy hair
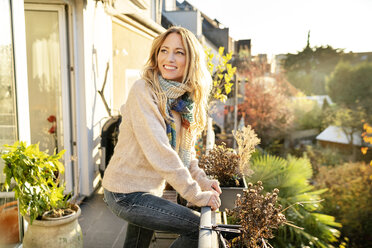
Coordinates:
[196,75]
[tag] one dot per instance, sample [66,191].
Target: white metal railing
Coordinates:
[207,237]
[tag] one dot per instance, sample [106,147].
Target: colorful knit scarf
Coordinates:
[178,99]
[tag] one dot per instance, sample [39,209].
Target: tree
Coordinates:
[308,69]
[349,120]
[352,86]
[265,108]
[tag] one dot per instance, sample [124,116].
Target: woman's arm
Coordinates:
[199,175]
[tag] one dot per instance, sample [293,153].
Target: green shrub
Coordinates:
[319,156]
[307,114]
[349,199]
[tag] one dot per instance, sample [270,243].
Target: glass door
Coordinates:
[48,81]
[10,221]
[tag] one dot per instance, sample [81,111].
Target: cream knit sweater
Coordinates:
[143,159]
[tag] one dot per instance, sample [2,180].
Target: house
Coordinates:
[334,136]
[66,66]
[211,33]
[277,63]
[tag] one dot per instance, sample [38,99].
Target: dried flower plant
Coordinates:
[247,140]
[258,215]
[225,165]
[222,164]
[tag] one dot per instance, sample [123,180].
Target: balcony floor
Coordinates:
[100,227]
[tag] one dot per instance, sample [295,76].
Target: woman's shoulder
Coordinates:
[141,87]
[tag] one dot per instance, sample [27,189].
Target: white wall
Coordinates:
[93,50]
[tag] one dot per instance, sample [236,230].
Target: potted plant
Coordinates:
[53,221]
[230,167]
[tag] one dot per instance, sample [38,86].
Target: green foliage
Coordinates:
[291,176]
[349,199]
[307,114]
[352,86]
[346,117]
[323,156]
[222,74]
[307,70]
[34,172]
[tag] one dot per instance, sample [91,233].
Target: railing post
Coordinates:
[207,238]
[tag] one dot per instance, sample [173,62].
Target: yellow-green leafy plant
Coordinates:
[37,179]
[222,74]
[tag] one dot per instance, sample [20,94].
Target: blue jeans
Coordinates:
[145,213]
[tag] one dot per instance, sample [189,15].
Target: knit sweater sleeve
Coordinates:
[150,132]
[198,174]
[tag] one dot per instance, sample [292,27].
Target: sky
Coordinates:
[282,26]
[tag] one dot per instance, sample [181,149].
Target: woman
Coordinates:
[164,112]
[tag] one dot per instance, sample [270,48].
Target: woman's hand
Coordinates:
[216,187]
[215,201]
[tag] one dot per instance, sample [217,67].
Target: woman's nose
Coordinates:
[171,57]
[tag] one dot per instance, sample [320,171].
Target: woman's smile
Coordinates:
[172,58]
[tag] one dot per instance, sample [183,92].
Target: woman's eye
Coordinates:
[180,52]
[163,50]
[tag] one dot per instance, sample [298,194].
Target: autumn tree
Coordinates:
[265,108]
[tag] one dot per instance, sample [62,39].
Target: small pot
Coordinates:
[228,196]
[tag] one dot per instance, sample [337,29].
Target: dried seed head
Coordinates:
[258,216]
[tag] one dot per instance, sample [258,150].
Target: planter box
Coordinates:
[228,195]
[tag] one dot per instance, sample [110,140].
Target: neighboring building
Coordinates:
[321,100]
[334,136]
[243,45]
[211,33]
[277,63]
[57,56]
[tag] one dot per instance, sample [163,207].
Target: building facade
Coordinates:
[66,66]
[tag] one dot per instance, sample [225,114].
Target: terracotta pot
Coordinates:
[56,233]
[9,227]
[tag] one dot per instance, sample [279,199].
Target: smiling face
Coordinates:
[172,58]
